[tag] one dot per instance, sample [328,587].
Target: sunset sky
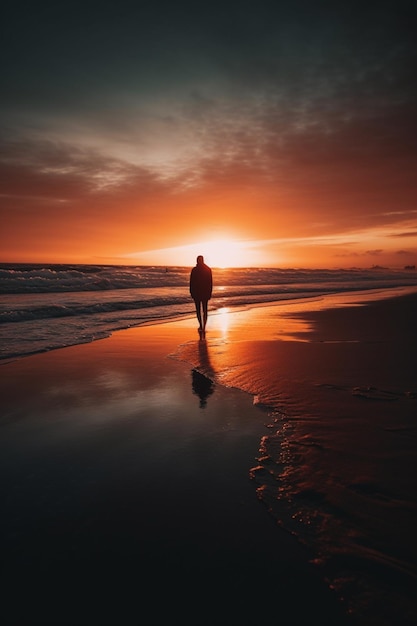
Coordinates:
[277,133]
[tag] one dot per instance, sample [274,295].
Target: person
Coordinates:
[201,286]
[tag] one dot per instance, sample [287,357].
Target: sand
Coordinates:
[128,495]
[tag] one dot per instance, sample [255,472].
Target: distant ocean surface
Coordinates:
[44,307]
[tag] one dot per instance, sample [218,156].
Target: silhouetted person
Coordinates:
[201,286]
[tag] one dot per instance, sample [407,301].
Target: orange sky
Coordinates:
[287,141]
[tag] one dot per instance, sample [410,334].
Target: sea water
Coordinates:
[44,307]
[342,490]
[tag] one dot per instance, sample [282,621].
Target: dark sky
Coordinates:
[132,127]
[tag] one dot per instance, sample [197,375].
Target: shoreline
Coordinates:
[339,298]
[113,465]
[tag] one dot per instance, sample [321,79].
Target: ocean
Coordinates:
[335,467]
[44,307]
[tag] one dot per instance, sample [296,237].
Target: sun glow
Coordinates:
[224,253]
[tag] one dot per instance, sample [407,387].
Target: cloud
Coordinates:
[411,233]
[49,169]
[405,252]
[376,252]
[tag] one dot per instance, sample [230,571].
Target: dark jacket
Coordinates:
[201,282]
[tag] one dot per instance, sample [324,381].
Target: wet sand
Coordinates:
[125,473]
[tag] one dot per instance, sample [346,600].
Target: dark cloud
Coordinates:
[58,55]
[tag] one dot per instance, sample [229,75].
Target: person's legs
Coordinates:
[205,306]
[198,311]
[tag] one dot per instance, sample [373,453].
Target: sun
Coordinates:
[224,253]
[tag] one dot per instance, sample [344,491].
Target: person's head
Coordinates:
[200,260]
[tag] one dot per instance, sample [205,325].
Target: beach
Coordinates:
[264,475]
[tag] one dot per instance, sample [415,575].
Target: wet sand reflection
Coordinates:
[202,376]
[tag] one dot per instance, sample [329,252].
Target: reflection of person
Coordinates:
[203,387]
[201,286]
[203,375]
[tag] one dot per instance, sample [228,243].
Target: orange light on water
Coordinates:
[222,320]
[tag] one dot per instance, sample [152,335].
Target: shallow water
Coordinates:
[336,465]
